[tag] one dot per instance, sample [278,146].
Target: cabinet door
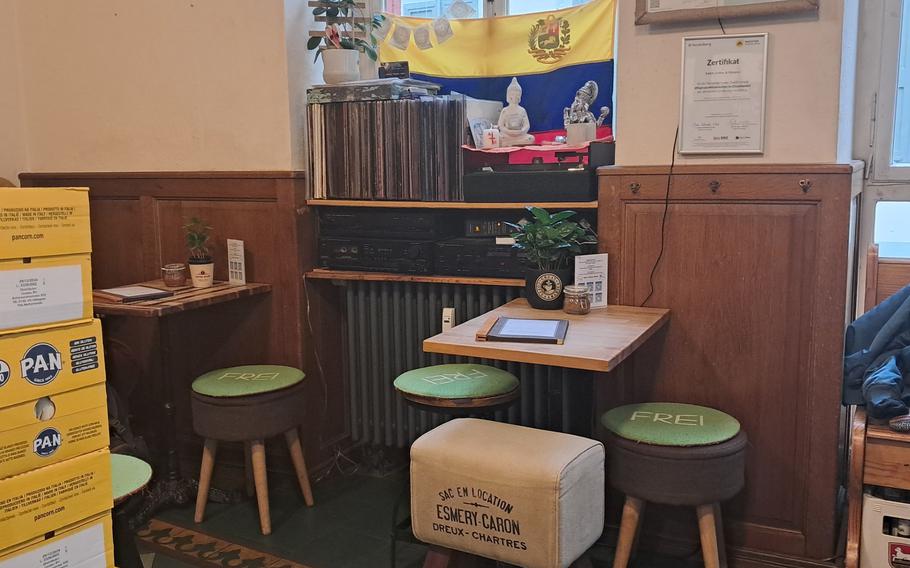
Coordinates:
[756,286]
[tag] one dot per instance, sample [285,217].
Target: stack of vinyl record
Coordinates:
[388,149]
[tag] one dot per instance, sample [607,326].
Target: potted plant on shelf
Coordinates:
[348,32]
[202,267]
[549,242]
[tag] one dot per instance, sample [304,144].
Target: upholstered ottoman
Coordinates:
[527,497]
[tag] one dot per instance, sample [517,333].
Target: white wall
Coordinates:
[802,102]
[13,157]
[153,85]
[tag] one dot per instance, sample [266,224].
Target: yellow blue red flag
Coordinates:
[551,53]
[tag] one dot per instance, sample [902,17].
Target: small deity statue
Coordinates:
[579,111]
[513,120]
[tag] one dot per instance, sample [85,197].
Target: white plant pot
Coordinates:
[340,65]
[202,274]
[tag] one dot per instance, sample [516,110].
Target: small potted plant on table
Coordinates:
[549,242]
[202,267]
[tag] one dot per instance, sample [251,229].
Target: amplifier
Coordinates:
[407,256]
[487,226]
[384,223]
[477,257]
[530,183]
[494,225]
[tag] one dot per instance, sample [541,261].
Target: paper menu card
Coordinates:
[591,271]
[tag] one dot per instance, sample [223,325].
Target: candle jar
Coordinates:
[577,301]
[174,274]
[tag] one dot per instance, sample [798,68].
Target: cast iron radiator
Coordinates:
[386,323]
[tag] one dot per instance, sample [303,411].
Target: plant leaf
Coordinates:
[562,215]
[371,53]
[313,42]
[540,214]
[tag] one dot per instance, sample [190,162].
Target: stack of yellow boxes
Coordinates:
[55,474]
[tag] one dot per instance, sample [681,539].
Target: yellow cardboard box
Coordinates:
[50,361]
[85,544]
[35,503]
[44,222]
[41,291]
[52,429]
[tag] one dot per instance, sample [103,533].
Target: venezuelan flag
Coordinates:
[551,53]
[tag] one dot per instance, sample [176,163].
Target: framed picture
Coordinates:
[722,94]
[664,11]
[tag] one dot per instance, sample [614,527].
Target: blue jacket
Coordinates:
[877,358]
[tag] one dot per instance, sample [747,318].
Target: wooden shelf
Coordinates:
[448,204]
[329,274]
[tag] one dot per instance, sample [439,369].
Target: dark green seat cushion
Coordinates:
[670,424]
[247,380]
[128,475]
[457,381]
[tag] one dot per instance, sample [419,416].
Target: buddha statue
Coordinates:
[513,120]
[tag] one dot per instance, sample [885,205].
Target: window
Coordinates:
[891,127]
[900,146]
[482,8]
[529,6]
[892,232]
[428,8]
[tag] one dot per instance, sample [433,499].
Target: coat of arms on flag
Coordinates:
[549,39]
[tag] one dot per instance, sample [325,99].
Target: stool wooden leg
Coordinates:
[248,469]
[721,546]
[631,515]
[293,438]
[707,528]
[205,477]
[262,485]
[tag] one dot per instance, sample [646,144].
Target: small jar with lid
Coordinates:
[577,300]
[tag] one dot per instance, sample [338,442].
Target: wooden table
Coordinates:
[184,299]
[596,342]
[173,489]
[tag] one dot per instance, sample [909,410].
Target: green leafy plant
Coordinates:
[343,28]
[549,241]
[197,238]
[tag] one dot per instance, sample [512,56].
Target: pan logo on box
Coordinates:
[4,372]
[47,442]
[41,364]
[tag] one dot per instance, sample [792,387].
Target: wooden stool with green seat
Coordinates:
[459,390]
[249,404]
[129,475]
[674,454]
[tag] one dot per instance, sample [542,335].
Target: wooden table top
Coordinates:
[184,299]
[598,341]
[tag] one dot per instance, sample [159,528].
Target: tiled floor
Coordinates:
[347,528]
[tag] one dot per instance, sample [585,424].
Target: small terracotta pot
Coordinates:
[202,273]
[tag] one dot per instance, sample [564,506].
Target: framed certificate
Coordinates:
[722,101]
[671,11]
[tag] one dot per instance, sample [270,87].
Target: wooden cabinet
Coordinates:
[755,269]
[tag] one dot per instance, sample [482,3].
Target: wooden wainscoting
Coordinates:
[136,228]
[754,269]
